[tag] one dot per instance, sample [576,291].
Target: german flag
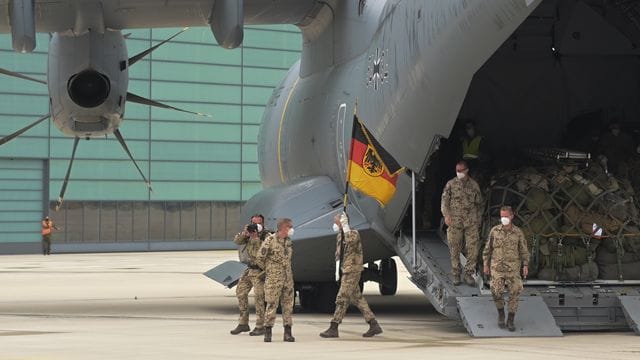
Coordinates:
[372,170]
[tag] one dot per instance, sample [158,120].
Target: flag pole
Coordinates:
[345,198]
[413,216]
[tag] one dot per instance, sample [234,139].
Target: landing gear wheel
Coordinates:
[389,275]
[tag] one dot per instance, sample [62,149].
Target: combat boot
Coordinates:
[257,331]
[455,278]
[501,318]
[287,334]
[331,332]
[510,325]
[374,329]
[267,334]
[469,280]
[239,329]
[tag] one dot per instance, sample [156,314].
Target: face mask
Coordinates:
[460,175]
[336,228]
[290,232]
[346,228]
[505,220]
[259,227]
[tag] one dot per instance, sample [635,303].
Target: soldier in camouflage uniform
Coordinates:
[505,253]
[275,258]
[349,253]
[251,278]
[461,206]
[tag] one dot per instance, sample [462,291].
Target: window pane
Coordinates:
[203,220]
[172,221]
[124,221]
[108,222]
[156,218]
[140,220]
[187,221]
[91,221]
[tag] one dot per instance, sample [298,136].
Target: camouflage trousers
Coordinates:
[349,293]
[455,236]
[278,290]
[498,283]
[46,244]
[251,279]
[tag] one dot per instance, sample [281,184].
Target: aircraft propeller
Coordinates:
[130,97]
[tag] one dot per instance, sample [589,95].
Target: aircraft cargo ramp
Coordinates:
[545,307]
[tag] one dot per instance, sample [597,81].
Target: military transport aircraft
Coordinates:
[406,69]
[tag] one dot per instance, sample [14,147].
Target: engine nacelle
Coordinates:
[88,79]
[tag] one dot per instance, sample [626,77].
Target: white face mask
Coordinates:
[505,220]
[346,228]
[259,227]
[460,175]
[290,232]
[336,228]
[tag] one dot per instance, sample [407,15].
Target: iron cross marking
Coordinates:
[378,69]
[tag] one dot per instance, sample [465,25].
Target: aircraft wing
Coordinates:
[62,15]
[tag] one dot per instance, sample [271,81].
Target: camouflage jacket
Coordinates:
[253,245]
[461,199]
[275,257]
[506,250]
[352,260]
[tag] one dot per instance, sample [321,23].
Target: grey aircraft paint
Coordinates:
[404,66]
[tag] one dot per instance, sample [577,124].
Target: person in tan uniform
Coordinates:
[461,206]
[275,258]
[251,237]
[349,253]
[504,255]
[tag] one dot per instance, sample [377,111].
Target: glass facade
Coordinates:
[201,168]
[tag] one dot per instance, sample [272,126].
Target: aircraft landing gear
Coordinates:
[389,275]
[318,297]
[386,275]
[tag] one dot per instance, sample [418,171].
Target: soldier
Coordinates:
[503,256]
[349,253]
[275,258]
[252,237]
[47,228]
[461,206]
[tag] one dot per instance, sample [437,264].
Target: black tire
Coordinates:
[389,275]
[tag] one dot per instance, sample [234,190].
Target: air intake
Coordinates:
[89,88]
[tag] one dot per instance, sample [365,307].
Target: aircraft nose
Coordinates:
[89,88]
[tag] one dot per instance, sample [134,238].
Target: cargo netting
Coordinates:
[581,224]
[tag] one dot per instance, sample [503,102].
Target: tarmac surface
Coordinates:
[160,306]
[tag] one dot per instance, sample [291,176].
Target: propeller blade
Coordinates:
[66,177]
[136,58]
[126,149]
[8,138]
[144,101]
[20,76]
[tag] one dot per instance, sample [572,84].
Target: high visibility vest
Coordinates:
[471,150]
[46,227]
